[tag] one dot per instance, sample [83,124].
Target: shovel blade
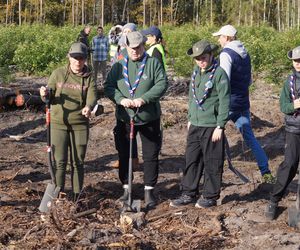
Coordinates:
[294,217]
[51,193]
[134,207]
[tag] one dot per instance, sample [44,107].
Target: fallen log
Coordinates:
[28,100]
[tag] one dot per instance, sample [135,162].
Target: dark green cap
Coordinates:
[200,48]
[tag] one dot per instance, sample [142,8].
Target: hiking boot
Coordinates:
[183,200]
[150,201]
[271,210]
[124,197]
[269,178]
[205,203]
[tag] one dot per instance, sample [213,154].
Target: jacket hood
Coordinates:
[238,47]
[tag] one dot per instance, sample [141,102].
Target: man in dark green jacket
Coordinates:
[209,98]
[137,82]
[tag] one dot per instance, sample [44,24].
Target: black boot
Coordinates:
[124,197]
[150,201]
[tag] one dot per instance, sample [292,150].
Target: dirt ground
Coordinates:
[237,223]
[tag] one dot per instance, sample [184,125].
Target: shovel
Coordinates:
[294,212]
[231,167]
[131,205]
[52,190]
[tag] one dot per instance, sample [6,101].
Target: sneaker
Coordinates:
[184,199]
[271,210]
[269,178]
[205,203]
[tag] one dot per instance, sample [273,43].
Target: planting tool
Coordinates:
[131,205]
[231,167]
[52,190]
[294,212]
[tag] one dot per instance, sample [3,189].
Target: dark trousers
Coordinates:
[203,155]
[77,141]
[288,168]
[151,139]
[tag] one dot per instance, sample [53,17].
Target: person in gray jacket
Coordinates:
[236,62]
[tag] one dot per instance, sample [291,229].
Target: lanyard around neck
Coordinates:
[133,88]
[208,86]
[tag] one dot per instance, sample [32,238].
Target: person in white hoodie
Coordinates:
[236,62]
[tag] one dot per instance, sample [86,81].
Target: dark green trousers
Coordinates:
[76,141]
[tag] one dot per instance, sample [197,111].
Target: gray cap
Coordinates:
[134,39]
[200,48]
[78,50]
[294,54]
[130,26]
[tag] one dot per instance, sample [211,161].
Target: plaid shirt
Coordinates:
[100,47]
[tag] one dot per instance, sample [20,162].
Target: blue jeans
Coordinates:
[242,121]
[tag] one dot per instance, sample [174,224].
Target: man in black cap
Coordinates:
[137,82]
[209,98]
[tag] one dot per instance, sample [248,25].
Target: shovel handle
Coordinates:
[49,146]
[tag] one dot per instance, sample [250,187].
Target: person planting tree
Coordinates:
[74,96]
[235,60]
[137,81]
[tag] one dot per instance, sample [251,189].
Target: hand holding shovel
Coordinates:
[52,190]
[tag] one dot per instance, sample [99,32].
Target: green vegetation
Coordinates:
[38,49]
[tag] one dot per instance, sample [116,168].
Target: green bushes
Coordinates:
[267,47]
[39,49]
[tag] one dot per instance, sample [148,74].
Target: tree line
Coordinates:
[279,14]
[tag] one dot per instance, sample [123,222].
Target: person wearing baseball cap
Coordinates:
[155,43]
[236,62]
[209,98]
[290,106]
[72,99]
[135,84]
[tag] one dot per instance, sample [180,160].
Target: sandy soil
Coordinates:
[237,223]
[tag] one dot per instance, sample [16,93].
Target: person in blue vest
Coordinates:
[236,62]
[155,41]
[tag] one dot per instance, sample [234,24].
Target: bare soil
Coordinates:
[237,223]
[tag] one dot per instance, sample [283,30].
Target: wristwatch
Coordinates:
[220,127]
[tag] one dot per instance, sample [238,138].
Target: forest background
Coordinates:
[36,34]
